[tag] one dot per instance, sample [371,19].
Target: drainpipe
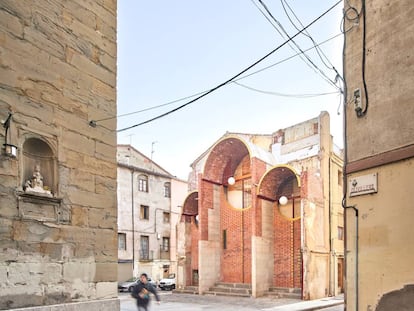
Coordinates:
[331,261]
[356,253]
[242,231]
[302,245]
[133,222]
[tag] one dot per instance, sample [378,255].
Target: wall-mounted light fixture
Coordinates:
[9,149]
[283,200]
[231,181]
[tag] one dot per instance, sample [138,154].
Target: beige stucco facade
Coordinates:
[150,236]
[58,189]
[379,155]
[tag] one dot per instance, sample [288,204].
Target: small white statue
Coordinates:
[37,179]
[35,184]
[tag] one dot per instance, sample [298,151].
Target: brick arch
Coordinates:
[272,182]
[286,230]
[224,158]
[189,222]
[190,206]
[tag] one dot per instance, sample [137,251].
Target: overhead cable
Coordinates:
[284,94]
[319,51]
[235,80]
[320,71]
[235,76]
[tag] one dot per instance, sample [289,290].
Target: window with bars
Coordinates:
[144,244]
[144,212]
[166,244]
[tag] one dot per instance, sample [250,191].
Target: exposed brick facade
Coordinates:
[241,219]
[287,254]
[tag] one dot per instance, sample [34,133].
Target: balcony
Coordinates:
[146,256]
[164,253]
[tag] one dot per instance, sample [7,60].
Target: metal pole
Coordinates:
[133,222]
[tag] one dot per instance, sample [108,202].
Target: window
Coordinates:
[122,241]
[166,217]
[167,190]
[143,183]
[340,178]
[224,239]
[144,212]
[340,233]
[166,244]
[144,251]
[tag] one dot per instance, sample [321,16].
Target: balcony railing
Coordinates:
[146,255]
[150,256]
[164,254]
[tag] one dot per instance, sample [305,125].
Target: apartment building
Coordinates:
[149,205]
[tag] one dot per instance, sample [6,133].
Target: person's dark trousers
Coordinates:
[143,308]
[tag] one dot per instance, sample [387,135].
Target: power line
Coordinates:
[284,94]
[306,33]
[234,77]
[296,44]
[288,58]
[235,80]
[151,108]
[280,33]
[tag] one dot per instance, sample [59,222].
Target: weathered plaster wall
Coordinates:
[57,72]
[380,252]
[389,74]
[386,240]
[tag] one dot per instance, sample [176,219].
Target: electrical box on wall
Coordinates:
[357,100]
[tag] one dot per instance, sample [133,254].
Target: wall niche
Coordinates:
[39,199]
[39,168]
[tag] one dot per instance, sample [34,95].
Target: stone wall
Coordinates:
[58,72]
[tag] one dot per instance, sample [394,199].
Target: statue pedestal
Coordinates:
[39,206]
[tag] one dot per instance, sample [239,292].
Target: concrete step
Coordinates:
[284,292]
[233,285]
[230,289]
[229,294]
[186,290]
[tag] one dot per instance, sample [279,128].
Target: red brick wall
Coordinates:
[287,256]
[236,259]
[195,236]
[205,197]
[191,248]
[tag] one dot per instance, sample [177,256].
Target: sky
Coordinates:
[169,50]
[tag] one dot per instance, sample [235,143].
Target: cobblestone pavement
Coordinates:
[186,302]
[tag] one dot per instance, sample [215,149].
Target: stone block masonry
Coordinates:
[58,72]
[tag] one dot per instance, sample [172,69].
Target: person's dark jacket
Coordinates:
[141,293]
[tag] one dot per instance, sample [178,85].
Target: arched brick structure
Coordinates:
[228,212]
[189,220]
[279,181]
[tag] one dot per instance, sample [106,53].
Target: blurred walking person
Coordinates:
[141,293]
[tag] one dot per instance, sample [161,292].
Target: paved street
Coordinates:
[335,308]
[184,302]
